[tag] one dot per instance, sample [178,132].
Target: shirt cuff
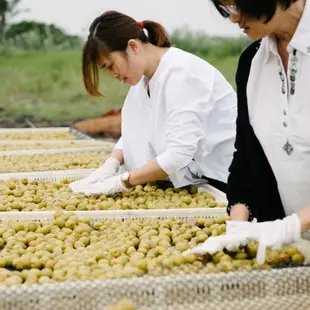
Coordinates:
[171,162]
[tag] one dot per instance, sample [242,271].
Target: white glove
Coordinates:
[275,234]
[236,236]
[107,187]
[108,169]
[219,243]
[238,226]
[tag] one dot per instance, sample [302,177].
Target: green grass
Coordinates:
[48,85]
[227,66]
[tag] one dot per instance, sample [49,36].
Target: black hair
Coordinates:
[111,32]
[256,8]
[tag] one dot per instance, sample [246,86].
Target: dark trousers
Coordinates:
[217,184]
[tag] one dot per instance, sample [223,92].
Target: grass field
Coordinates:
[45,88]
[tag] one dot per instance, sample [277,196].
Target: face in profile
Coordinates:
[125,66]
[254,28]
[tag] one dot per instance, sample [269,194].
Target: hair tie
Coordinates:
[141,25]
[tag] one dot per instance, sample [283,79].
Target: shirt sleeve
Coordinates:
[187,96]
[119,144]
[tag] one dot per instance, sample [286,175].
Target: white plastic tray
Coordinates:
[76,133]
[55,176]
[57,151]
[220,196]
[41,129]
[73,175]
[64,142]
[184,214]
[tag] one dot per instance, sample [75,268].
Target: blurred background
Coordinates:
[40,53]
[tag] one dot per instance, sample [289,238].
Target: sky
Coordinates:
[75,16]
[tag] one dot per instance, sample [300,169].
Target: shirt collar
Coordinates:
[270,46]
[153,80]
[300,40]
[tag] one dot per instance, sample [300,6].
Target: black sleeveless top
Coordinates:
[251,180]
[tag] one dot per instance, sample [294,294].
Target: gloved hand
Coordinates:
[238,226]
[219,243]
[273,234]
[237,234]
[107,187]
[108,169]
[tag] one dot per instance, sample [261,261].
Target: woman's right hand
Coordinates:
[110,168]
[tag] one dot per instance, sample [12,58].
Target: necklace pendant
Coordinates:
[288,148]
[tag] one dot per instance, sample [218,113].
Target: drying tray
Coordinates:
[76,133]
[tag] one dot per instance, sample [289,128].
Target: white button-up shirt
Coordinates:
[281,118]
[187,123]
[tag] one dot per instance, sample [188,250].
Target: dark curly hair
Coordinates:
[256,8]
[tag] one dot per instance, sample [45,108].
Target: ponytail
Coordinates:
[157,34]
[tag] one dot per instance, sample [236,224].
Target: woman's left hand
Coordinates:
[107,187]
[273,235]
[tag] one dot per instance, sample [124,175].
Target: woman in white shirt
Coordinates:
[270,172]
[178,120]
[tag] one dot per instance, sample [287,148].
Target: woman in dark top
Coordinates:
[270,173]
